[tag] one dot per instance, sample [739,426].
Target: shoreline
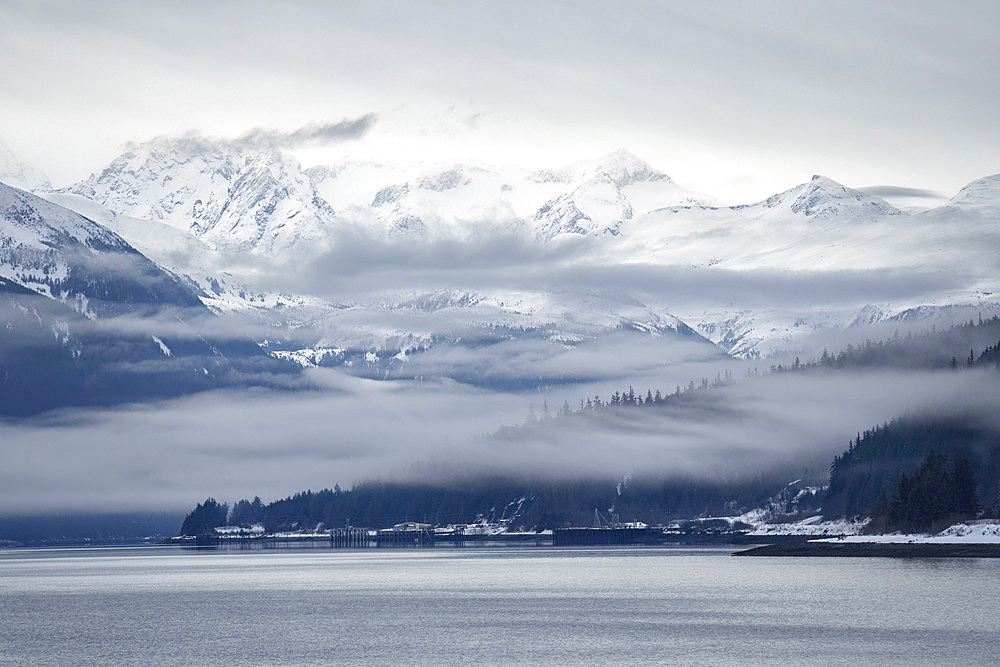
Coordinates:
[807,549]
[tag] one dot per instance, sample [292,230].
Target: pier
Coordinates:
[565,537]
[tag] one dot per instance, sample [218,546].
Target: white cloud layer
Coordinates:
[172,454]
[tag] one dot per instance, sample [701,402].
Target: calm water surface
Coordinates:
[498,606]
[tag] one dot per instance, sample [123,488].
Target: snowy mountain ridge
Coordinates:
[983,192]
[226,200]
[822,197]
[238,198]
[19,174]
[65,256]
[231,197]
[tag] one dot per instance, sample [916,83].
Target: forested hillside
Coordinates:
[522,505]
[866,478]
[973,344]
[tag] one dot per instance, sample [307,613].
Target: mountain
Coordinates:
[349,184]
[452,201]
[607,193]
[983,193]
[822,198]
[18,174]
[56,252]
[590,197]
[87,320]
[231,196]
[500,340]
[200,207]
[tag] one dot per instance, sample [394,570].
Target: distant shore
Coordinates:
[874,550]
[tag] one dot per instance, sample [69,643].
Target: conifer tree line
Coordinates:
[929,350]
[935,494]
[205,517]
[914,472]
[629,398]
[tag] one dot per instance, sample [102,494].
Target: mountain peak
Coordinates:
[623,168]
[16,173]
[623,156]
[822,197]
[228,193]
[980,192]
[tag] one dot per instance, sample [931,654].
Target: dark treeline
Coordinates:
[377,504]
[523,505]
[955,347]
[204,517]
[869,476]
[935,496]
[624,398]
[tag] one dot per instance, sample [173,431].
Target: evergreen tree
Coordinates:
[204,518]
[933,493]
[964,488]
[881,506]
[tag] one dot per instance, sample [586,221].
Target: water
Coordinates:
[497,606]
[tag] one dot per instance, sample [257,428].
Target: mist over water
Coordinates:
[232,445]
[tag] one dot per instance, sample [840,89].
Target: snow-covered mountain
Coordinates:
[822,198]
[19,174]
[591,197]
[606,194]
[65,256]
[231,196]
[197,207]
[820,233]
[235,198]
[982,194]
[87,319]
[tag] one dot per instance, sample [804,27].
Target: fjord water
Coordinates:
[497,606]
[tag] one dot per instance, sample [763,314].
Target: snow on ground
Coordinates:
[961,533]
[811,526]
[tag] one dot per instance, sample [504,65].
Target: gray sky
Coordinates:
[739,100]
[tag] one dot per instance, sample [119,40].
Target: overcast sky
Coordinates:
[739,100]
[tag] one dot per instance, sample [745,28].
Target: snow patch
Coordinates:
[979,532]
[163,347]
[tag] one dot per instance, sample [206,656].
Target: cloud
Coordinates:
[898,191]
[172,454]
[313,134]
[359,263]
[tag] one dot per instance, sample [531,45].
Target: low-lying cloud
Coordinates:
[899,191]
[170,455]
[361,263]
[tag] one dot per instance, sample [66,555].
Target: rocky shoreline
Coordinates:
[806,548]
